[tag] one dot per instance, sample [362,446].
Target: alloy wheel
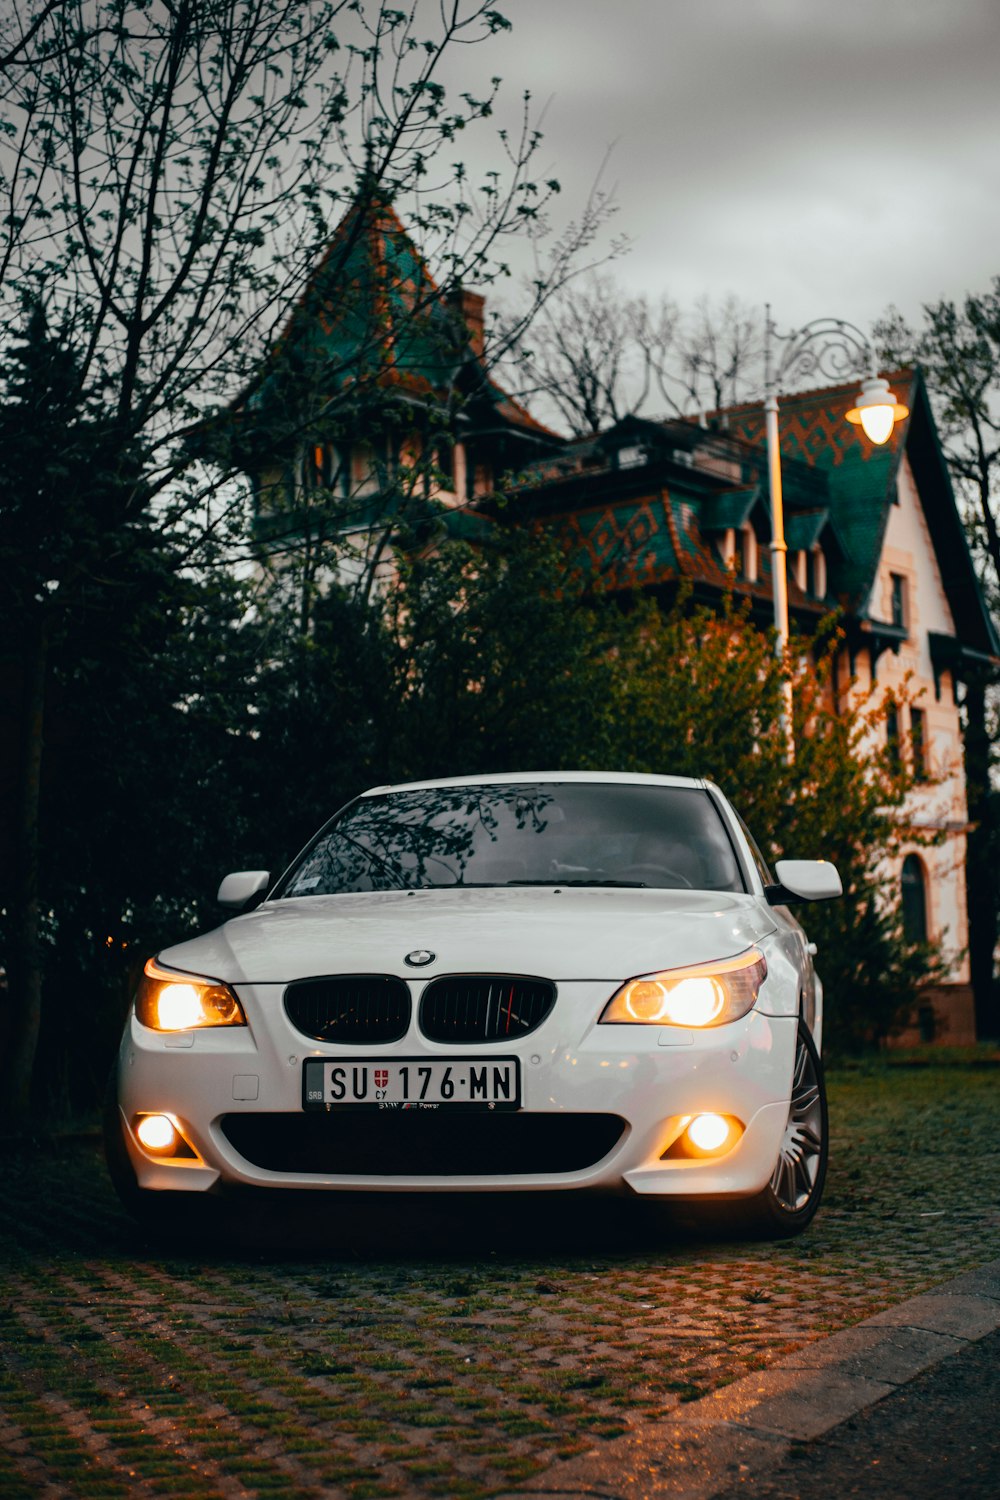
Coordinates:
[797,1168]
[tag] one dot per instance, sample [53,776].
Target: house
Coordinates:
[379,370]
[871,532]
[377,406]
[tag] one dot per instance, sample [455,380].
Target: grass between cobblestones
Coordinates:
[450,1356]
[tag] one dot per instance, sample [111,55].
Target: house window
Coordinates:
[892,736]
[364,475]
[800,570]
[898,583]
[470,472]
[914,894]
[816,573]
[631,458]
[918,741]
[460,471]
[738,561]
[312,467]
[446,463]
[320,467]
[444,468]
[747,543]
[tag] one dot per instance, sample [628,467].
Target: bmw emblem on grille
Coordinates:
[419,957]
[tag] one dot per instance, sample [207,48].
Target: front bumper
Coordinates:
[651,1077]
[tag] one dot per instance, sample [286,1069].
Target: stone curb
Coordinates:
[751,1424]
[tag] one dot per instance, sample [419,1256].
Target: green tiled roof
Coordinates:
[356,322]
[860,477]
[687,534]
[803,528]
[861,494]
[627,546]
[661,521]
[729,508]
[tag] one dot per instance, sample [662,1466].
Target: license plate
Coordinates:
[411,1083]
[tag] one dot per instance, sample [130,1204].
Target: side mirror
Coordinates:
[804,880]
[238,890]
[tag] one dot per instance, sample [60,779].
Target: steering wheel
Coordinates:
[643,872]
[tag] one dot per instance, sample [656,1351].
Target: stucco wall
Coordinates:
[939,808]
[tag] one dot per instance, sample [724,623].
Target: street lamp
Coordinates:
[833,350]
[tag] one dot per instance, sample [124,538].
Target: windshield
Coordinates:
[549,833]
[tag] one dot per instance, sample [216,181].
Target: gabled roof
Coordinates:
[974,625]
[861,480]
[371,312]
[729,508]
[860,477]
[804,528]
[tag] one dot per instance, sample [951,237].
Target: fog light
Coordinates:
[157,1133]
[709,1132]
[696,1137]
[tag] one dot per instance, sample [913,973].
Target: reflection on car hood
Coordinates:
[573,934]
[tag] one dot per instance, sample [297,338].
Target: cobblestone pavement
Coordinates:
[455,1350]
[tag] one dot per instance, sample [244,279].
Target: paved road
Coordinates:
[904,1406]
[936,1438]
[487,1346]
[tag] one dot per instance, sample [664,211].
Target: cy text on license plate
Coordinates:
[411,1083]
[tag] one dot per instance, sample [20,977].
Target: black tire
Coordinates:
[115,1151]
[788,1204]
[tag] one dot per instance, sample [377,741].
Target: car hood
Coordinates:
[565,934]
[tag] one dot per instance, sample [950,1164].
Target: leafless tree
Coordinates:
[959,351]
[597,354]
[720,356]
[594,354]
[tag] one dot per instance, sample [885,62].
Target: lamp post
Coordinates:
[833,350]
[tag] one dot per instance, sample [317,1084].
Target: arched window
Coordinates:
[914,900]
[816,573]
[749,569]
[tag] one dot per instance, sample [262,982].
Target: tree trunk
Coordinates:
[25,947]
[989,520]
[981,873]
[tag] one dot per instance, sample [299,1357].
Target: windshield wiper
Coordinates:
[558,880]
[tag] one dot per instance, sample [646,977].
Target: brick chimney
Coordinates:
[470,308]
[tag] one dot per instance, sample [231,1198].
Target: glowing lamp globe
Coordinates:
[877,410]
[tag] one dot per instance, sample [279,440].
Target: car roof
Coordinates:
[520,778]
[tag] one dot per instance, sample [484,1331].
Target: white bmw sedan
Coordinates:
[536,981]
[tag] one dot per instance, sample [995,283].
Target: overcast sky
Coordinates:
[828,156]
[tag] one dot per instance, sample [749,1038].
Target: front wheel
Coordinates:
[789,1202]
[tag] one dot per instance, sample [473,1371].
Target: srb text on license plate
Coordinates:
[411,1083]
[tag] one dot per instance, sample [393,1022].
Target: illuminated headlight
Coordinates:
[169,1001]
[702,995]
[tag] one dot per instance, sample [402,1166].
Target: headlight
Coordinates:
[169,1001]
[702,995]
